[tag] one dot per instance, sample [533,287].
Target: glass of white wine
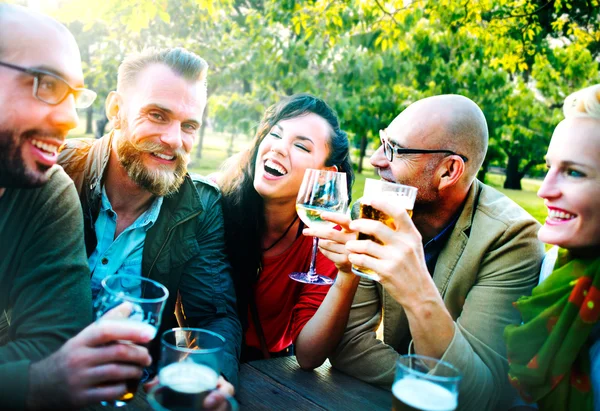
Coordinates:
[321,190]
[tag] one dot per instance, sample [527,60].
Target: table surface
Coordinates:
[280,384]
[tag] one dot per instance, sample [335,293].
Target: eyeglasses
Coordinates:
[389,150]
[53,89]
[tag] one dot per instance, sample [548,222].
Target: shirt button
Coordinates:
[104,261]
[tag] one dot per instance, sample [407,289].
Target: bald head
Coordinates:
[446,122]
[27,28]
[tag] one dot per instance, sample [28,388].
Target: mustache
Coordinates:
[385,174]
[42,134]
[153,147]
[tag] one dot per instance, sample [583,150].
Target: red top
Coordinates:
[284,306]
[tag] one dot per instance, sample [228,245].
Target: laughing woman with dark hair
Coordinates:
[264,234]
[554,355]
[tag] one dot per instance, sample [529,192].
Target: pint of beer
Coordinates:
[184,386]
[135,301]
[131,384]
[400,194]
[425,384]
[189,369]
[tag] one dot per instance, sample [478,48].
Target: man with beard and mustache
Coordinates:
[143,213]
[449,276]
[44,274]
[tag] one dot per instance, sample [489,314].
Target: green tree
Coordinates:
[517,59]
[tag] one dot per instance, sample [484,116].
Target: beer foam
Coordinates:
[188,377]
[424,395]
[399,199]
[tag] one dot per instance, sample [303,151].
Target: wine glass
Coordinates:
[321,190]
[136,300]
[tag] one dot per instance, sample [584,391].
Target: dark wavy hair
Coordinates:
[243,207]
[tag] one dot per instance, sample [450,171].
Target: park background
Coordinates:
[369,59]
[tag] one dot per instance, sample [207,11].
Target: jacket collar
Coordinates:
[96,163]
[184,203]
[456,243]
[179,206]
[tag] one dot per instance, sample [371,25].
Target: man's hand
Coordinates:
[400,260]
[217,400]
[400,263]
[332,243]
[91,367]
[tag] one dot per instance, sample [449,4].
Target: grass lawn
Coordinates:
[216,151]
[526,198]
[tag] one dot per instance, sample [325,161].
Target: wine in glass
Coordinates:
[321,190]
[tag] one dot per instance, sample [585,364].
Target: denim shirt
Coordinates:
[122,255]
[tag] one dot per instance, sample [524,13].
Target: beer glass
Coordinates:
[425,384]
[188,370]
[321,190]
[403,195]
[137,300]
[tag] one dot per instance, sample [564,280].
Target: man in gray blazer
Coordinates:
[449,276]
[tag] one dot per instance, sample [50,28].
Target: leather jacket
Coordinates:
[184,249]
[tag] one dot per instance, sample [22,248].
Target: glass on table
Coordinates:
[321,190]
[188,370]
[136,300]
[425,384]
[403,195]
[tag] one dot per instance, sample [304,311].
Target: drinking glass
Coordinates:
[321,190]
[403,195]
[137,300]
[188,370]
[425,383]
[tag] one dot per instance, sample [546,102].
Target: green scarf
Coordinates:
[548,354]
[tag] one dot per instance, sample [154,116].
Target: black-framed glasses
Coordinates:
[389,150]
[52,89]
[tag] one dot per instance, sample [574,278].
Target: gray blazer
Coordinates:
[491,258]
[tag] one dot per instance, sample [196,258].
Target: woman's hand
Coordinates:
[332,242]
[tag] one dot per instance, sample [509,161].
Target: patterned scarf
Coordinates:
[548,354]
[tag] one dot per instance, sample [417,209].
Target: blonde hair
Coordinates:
[583,103]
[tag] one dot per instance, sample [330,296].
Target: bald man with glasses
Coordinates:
[450,274]
[46,360]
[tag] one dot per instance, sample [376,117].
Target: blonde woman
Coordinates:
[554,355]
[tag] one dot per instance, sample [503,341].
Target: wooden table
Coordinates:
[280,384]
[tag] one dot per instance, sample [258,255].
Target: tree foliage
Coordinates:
[517,59]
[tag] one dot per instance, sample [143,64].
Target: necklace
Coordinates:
[282,236]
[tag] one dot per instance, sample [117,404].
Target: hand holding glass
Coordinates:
[189,368]
[321,190]
[403,195]
[138,301]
